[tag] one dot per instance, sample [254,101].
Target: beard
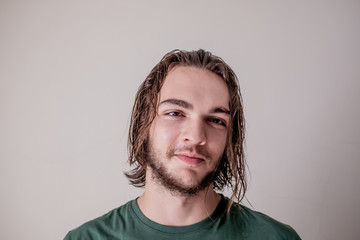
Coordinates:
[172,183]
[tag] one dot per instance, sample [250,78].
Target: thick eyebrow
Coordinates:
[220,110]
[187,105]
[178,102]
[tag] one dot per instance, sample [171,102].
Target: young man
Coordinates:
[186,141]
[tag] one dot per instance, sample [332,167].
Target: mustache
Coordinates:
[203,153]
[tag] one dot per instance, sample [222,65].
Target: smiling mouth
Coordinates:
[189,159]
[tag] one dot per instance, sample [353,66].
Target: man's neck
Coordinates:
[164,207]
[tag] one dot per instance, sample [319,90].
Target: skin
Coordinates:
[187,139]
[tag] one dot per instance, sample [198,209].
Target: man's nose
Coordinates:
[194,132]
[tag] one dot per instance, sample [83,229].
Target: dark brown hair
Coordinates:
[231,169]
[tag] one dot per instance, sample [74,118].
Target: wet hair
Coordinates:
[231,169]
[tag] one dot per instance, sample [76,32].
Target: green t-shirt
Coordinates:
[128,222]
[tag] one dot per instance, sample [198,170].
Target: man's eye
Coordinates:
[174,114]
[217,121]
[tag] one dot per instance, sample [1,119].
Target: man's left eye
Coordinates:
[217,121]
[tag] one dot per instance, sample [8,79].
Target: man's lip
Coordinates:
[190,158]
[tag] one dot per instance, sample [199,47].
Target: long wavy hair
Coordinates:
[231,169]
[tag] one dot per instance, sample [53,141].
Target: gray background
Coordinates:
[69,71]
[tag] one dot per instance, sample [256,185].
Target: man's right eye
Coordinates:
[174,114]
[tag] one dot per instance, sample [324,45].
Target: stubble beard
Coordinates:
[163,177]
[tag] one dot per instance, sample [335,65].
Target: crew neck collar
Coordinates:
[219,211]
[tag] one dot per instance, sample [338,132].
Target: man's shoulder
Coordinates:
[105,224]
[259,224]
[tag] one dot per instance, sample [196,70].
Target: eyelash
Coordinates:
[212,120]
[174,114]
[217,120]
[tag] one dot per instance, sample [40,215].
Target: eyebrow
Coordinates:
[220,110]
[187,105]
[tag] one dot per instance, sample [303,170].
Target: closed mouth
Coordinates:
[190,159]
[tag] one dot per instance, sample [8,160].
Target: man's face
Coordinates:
[189,133]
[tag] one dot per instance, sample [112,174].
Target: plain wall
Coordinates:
[69,71]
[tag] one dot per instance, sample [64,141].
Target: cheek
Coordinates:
[162,132]
[219,141]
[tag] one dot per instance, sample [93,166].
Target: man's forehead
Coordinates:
[192,72]
[194,85]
